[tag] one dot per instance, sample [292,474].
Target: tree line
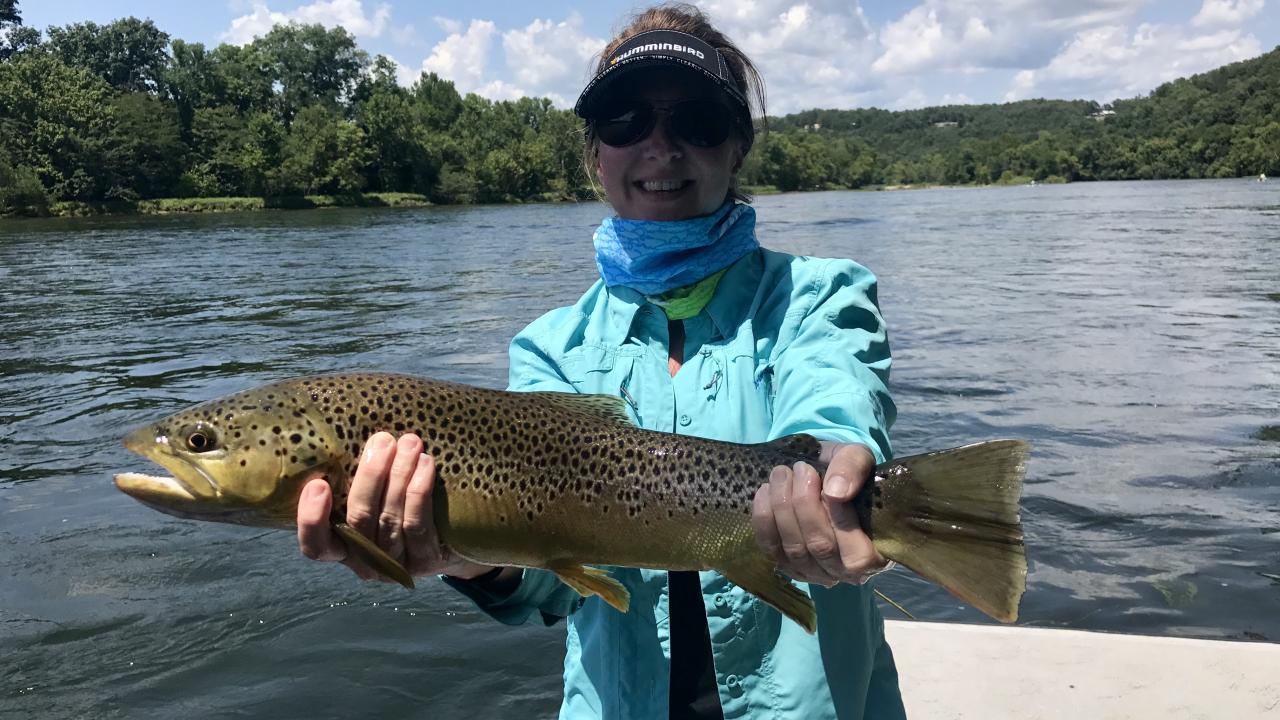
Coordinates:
[123,112]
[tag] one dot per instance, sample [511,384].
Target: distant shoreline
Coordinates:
[205,205]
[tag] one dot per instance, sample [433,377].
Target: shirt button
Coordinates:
[734,684]
[720,601]
[685,420]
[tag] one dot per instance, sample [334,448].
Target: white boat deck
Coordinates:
[989,672]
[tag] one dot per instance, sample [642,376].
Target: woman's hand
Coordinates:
[390,503]
[807,523]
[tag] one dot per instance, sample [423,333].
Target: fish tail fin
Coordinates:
[758,576]
[952,517]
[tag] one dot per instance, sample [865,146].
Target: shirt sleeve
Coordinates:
[831,379]
[532,369]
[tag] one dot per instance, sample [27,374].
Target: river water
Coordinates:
[1130,331]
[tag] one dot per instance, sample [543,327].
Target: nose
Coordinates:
[661,143]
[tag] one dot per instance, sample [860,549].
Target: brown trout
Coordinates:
[564,482]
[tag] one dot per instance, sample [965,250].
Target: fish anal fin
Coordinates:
[758,576]
[605,407]
[588,581]
[373,557]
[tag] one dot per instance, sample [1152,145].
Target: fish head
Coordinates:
[241,459]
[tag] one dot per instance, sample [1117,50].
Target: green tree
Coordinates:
[188,82]
[324,154]
[144,152]
[241,77]
[220,160]
[312,65]
[437,101]
[57,119]
[10,19]
[130,54]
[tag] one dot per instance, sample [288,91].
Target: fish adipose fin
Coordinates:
[805,447]
[588,581]
[374,557]
[952,517]
[756,574]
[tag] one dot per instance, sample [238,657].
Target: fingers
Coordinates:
[315,539]
[797,559]
[408,453]
[816,533]
[858,555]
[364,499]
[422,545]
[807,523]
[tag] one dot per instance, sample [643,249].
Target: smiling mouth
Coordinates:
[664,186]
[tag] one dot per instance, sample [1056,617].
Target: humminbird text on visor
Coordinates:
[657,47]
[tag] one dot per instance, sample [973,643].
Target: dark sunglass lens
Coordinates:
[624,126]
[702,123]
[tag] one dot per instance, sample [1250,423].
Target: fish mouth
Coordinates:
[153,488]
[189,492]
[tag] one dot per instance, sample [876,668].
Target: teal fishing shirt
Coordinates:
[786,345]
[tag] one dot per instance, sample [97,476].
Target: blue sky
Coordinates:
[812,53]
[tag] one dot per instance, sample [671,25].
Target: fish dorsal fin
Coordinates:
[800,445]
[605,407]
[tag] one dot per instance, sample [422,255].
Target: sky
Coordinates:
[814,53]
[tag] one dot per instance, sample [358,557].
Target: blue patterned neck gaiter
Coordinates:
[654,256]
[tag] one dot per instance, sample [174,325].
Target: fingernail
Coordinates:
[837,487]
[314,490]
[778,474]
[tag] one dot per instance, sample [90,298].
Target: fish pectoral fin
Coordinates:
[757,575]
[374,557]
[588,581]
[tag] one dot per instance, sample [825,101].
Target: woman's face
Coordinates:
[662,177]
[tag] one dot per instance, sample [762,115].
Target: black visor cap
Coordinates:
[670,48]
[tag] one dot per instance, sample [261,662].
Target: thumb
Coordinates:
[849,468]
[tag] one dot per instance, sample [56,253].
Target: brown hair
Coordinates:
[685,18]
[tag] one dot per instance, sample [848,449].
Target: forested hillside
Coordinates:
[123,112]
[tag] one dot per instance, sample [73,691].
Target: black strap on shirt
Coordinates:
[693,673]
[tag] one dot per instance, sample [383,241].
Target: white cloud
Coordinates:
[449,25]
[782,38]
[500,90]
[548,55]
[963,35]
[1226,12]
[826,53]
[349,14]
[913,98]
[1109,62]
[463,57]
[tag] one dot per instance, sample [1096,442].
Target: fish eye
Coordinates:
[200,439]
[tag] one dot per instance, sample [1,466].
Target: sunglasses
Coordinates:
[701,123]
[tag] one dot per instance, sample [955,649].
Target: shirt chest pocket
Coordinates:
[595,370]
[740,387]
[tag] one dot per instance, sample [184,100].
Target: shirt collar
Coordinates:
[733,299]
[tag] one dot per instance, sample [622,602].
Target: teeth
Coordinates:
[662,185]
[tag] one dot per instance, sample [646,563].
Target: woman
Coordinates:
[703,333]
